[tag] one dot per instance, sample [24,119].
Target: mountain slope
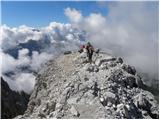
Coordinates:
[13,103]
[68,87]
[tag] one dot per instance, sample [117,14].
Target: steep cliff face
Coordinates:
[68,87]
[12,103]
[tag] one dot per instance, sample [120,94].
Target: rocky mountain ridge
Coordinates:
[68,87]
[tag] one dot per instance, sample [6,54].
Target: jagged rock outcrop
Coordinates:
[68,87]
[12,103]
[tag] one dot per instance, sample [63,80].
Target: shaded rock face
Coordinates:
[68,87]
[12,103]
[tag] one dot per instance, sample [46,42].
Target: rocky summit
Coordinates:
[69,87]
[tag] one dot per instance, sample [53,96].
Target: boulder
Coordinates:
[51,106]
[143,102]
[111,64]
[103,67]
[59,115]
[126,112]
[110,96]
[91,68]
[129,69]
[96,69]
[144,113]
[88,67]
[74,111]
[119,60]
[108,99]
[99,61]
[109,104]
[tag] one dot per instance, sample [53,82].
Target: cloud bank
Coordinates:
[129,30]
[25,49]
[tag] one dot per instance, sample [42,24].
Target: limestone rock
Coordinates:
[106,59]
[74,111]
[129,69]
[107,88]
[119,60]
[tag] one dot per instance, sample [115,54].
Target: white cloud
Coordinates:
[54,38]
[95,21]
[23,58]
[69,37]
[73,14]
[8,63]
[11,37]
[38,59]
[21,82]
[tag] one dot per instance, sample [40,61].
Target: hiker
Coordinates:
[90,51]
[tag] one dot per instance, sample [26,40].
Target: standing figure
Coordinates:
[90,51]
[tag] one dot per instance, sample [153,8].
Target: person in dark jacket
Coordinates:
[90,51]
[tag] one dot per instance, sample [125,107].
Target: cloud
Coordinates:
[130,30]
[22,34]
[25,49]
[23,58]
[38,59]
[73,14]
[21,82]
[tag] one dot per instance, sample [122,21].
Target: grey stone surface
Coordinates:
[107,88]
[74,111]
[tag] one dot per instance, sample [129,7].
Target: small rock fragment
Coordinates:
[74,111]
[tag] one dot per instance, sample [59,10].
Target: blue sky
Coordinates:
[38,14]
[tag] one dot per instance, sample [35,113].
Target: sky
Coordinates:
[38,14]
[123,29]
